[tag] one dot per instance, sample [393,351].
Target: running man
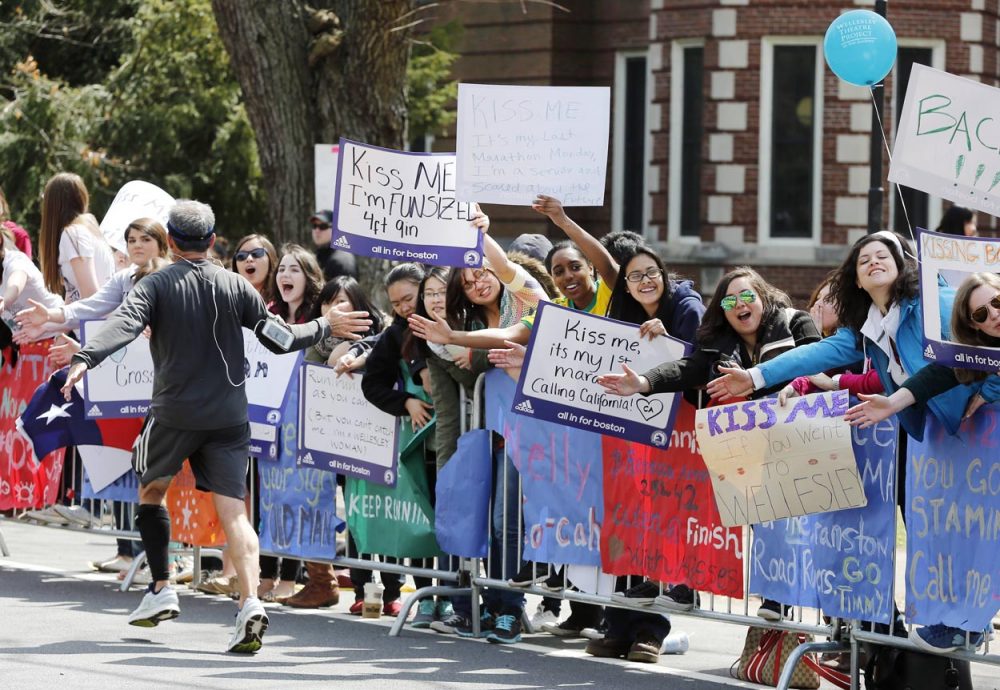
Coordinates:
[196,311]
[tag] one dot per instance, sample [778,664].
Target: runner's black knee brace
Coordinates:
[154,528]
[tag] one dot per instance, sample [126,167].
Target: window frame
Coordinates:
[676,161]
[618,146]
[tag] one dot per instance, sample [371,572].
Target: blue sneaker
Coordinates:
[444,609]
[426,610]
[506,630]
[943,638]
[486,624]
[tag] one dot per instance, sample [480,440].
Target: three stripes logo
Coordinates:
[342,242]
[95,411]
[525,406]
[929,352]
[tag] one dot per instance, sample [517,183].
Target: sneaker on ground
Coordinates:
[943,638]
[156,607]
[251,624]
[553,583]
[607,648]
[571,627]
[444,610]
[530,574]
[506,629]
[47,516]
[595,633]
[645,650]
[540,619]
[643,594]
[426,610]
[76,515]
[220,585]
[486,623]
[392,608]
[679,598]
[451,624]
[112,565]
[183,570]
[357,607]
[771,610]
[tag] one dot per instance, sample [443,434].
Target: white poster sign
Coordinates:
[136,199]
[518,141]
[325,177]
[104,465]
[121,385]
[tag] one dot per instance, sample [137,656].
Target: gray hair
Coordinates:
[192,218]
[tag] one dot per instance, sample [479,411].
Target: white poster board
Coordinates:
[514,142]
[136,199]
[947,139]
[267,380]
[121,385]
[325,177]
[104,465]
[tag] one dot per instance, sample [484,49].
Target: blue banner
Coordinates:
[953,524]
[561,478]
[841,561]
[463,491]
[125,489]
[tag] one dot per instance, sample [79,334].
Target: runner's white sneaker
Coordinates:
[251,624]
[156,607]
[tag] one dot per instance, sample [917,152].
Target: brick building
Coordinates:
[732,142]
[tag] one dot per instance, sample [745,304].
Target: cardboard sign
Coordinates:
[947,139]
[769,462]
[515,142]
[136,199]
[104,465]
[839,562]
[953,524]
[401,206]
[568,350]
[945,262]
[121,385]
[325,157]
[269,379]
[340,431]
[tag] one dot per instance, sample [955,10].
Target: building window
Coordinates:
[792,141]
[631,127]
[917,203]
[692,128]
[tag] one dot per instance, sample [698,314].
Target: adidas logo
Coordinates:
[95,411]
[929,353]
[525,406]
[307,459]
[342,242]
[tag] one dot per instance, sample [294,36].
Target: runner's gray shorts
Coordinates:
[218,456]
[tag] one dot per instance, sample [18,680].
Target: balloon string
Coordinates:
[885,142]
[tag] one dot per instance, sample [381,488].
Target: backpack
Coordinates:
[889,668]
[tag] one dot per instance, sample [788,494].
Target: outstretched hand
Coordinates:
[510,358]
[872,410]
[36,315]
[733,383]
[73,377]
[61,353]
[348,324]
[434,330]
[625,384]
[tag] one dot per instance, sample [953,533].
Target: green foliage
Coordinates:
[431,92]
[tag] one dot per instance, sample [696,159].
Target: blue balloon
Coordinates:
[860,47]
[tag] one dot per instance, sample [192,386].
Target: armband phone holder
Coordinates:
[276,331]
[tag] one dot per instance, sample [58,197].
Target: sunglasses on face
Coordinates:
[636,276]
[321,226]
[728,303]
[980,315]
[257,253]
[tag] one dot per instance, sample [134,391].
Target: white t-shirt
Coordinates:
[77,241]
[34,286]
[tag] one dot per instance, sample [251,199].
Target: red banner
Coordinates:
[193,519]
[23,483]
[660,518]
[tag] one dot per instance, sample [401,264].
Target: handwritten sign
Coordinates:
[340,431]
[660,518]
[945,262]
[325,157]
[518,141]
[769,462]
[946,142]
[953,524]
[136,199]
[839,562]
[269,378]
[121,385]
[402,207]
[568,350]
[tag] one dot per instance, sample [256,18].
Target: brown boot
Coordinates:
[321,590]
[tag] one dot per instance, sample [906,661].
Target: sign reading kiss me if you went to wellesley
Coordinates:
[568,350]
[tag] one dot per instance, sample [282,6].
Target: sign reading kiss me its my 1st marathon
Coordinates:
[568,350]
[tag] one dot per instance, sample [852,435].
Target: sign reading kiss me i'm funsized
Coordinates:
[568,350]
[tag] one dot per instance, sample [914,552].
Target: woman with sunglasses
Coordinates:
[255,259]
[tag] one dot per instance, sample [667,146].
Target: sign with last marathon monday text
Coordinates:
[402,207]
[769,462]
[518,141]
[568,350]
[340,431]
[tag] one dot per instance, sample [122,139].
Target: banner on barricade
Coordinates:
[325,175]
[269,382]
[193,519]
[561,481]
[953,524]
[401,206]
[568,350]
[24,482]
[340,431]
[840,562]
[298,505]
[103,465]
[769,462]
[121,385]
[660,518]
[515,142]
[946,261]
[463,490]
[136,199]
[124,489]
[946,142]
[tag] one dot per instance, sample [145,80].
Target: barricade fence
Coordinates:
[514,536]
